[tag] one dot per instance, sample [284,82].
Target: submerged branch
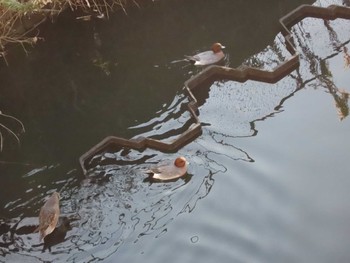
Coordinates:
[9,130]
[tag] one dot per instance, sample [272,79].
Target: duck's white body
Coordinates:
[212,56]
[169,170]
[48,216]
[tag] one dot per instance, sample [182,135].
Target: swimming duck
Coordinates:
[169,170]
[208,57]
[48,216]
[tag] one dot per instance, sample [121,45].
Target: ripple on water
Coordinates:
[246,218]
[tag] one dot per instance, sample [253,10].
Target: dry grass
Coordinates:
[100,7]
[19,17]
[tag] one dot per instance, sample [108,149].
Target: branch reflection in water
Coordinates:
[322,43]
[117,208]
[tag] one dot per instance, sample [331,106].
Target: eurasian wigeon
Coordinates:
[212,56]
[169,170]
[48,216]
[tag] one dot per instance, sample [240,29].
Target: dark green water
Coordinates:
[269,177]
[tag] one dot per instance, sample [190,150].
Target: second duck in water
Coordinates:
[169,170]
[212,56]
[48,216]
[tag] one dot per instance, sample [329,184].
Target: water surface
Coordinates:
[268,179]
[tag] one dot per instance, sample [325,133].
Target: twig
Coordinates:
[11,132]
[13,118]
[1,141]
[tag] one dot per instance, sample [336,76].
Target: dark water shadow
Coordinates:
[117,208]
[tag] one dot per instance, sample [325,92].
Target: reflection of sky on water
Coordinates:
[125,210]
[116,211]
[114,207]
[232,106]
[230,109]
[327,43]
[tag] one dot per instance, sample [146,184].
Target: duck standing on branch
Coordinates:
[212,56]
[169,170]
[48,216]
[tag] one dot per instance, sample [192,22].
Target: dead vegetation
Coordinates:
[19,18]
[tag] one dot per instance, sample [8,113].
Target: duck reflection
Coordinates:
[12,233]
[58,235]
[117,206]
[132,210]
[128,207]
[6,234]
